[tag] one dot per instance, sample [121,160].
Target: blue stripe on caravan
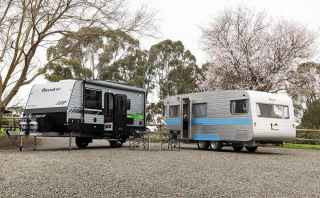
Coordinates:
[221,121]
[211,121]
[173,121]
[203,137]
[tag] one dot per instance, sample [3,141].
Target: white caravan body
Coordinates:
[86,108]
[231,116]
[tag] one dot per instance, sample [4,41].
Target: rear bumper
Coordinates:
[277,136]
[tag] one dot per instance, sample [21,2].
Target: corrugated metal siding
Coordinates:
[218,106]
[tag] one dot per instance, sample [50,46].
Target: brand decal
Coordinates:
[50,89]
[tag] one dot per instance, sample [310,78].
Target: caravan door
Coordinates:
[186,118]
[120,114]
[108,112]
[115,113]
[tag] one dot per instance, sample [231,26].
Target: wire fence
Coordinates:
[304,136]
[307,136]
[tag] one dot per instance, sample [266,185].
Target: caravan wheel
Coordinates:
[251,149]
[115,144]
[82,142]
[203,145]
[237,148]
[216,146]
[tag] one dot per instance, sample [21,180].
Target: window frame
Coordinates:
[200,116]
[241,113]
[99,101]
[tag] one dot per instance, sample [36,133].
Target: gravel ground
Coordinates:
[100,171]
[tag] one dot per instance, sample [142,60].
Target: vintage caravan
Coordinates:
[236,118]
[85,109]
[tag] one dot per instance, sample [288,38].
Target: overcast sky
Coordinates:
[181,20]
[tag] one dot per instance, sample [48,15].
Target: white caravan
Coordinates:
[234,118]
[86,110]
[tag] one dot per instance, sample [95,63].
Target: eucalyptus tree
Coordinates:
[30,26]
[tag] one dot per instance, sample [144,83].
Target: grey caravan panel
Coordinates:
[172,123]
[219,124]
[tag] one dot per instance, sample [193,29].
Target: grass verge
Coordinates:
[301,146]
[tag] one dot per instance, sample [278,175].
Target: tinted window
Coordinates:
[199,110]
[239,106]
[93,99]
[174,111]
[272,111]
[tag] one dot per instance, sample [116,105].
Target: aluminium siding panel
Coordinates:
[219,120]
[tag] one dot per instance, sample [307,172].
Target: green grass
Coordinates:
[301,146]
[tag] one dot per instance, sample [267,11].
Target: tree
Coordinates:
[29,25]
[249,51]
[90,53]
[311,116]
[304,86]
[175,68]
[95,53]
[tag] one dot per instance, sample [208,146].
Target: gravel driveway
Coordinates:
[105,172]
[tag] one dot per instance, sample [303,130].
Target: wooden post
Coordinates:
[21,143]
[70,141]
[148,141]
[35,143]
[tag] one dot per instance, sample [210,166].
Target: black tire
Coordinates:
[115,144]
[237,148]
[82,142]
[216,146]
[203,145]
[251,149]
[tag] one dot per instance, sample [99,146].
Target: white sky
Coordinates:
[181,20]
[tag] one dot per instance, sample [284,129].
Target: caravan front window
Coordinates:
[93,99]
[173,111]
[272,111]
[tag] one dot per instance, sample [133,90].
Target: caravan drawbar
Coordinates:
[237,118]
[87,109]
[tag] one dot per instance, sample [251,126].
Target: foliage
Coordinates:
[154,109]
[2,132]
[249,51]
[115,55]
[311,116]
[175,67]
[27,26]
[90,53]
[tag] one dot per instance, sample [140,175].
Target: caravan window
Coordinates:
[93,99]
[239,106]
[199,110]
[174,111]
[272,111]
